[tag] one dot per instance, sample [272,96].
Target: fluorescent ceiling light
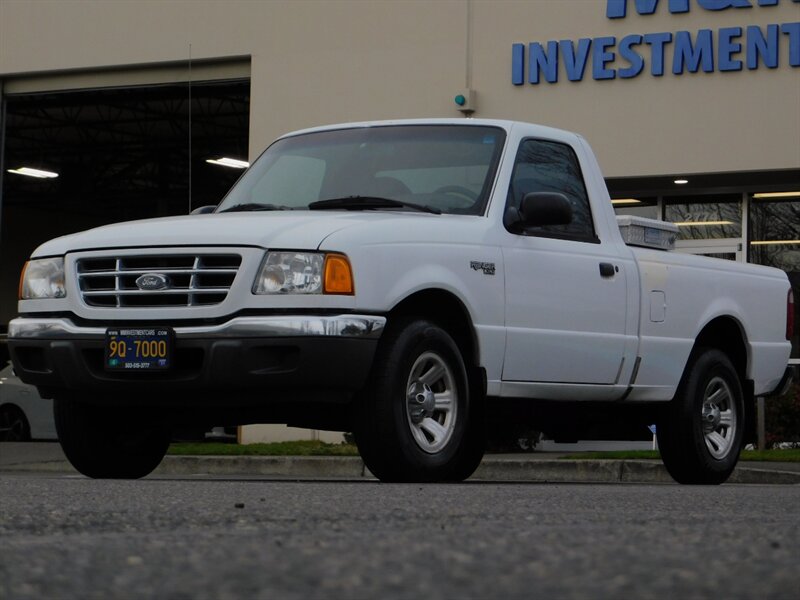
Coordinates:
[624,201]
[766,195]
[681,181]
[229,162]
[29,172]
[703,223]
[775,243]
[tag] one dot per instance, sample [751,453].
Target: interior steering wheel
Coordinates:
[459,191]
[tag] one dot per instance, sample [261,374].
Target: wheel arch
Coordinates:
[13,406]
[449,312]
[726,334]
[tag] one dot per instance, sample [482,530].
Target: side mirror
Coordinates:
[203,210]
[545,208]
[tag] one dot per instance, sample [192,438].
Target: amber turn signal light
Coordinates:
[22,279]
[338,275]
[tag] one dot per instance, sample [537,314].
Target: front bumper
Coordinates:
[251,359]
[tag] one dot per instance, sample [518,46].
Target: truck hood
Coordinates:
[285,229]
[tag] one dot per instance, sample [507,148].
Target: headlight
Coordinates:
[304,273]
[42,278]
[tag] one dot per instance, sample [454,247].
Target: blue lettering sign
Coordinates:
[600,57]
[618,9]
[793,31]
[627,52]
[731,49]
[518,64]
[575,62]
[546,61]
[657,41]
[765,47]
[723,4]
[728,47]
[691,56]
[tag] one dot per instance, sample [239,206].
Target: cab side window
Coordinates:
[544,166]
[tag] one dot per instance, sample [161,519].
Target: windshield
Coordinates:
[438,168]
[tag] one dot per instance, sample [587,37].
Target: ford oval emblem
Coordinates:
[152,281]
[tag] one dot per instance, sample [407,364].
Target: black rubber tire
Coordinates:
[14,426]
[681,438]
[381,425]
[108,443]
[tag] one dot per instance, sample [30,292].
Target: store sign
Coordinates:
[726,49]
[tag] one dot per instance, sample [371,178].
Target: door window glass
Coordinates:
[543,166]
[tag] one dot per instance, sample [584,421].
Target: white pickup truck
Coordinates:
[422,284]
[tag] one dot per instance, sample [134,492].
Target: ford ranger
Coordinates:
[422,284]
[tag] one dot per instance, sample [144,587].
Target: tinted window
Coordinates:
[543,166]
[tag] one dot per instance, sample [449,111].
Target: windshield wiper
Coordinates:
[368,203]
[253,206]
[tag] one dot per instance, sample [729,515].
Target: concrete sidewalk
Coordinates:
[531,467]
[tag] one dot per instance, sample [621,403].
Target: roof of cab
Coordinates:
[504,124]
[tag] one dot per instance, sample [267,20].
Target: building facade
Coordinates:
[692,106]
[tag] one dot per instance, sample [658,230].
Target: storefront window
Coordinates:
[637,207]
[775,242]
[715,217]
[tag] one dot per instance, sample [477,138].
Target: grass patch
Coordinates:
[299,448]
[317,448]
[788,455]
[747,455]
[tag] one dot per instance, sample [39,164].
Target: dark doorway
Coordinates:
[120,154]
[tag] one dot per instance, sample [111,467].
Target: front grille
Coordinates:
[188,280]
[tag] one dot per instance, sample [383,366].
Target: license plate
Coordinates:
[143,349]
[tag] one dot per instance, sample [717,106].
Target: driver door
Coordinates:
[565,290]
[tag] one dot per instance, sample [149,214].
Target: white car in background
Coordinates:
[24,415]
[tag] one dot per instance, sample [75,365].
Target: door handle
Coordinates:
[607,269]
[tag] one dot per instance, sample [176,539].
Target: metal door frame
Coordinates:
[717,246]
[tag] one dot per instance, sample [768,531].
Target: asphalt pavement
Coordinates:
[67,537]
[533,466]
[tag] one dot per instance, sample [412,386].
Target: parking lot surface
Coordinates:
[65,536]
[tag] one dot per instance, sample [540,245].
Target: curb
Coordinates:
[499,469]
[350,467]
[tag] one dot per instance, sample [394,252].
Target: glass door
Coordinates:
[708,225]
[775,242]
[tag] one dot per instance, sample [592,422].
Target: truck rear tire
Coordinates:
[108,443]
[700,433]
[417,420]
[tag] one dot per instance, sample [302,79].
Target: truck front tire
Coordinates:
[418,419]
[108,443]
[700,433]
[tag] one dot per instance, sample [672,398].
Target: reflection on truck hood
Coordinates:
[289,229]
